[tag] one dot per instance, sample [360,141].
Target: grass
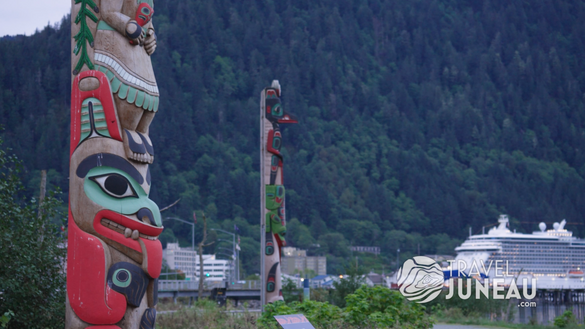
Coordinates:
[455,316]
[203,314]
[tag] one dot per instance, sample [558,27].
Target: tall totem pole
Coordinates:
[273,219]
[114,255]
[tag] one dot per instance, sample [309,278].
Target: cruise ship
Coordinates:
[554,257]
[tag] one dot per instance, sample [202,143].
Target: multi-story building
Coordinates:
[187,261]
[296,261]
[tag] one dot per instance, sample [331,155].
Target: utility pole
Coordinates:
[262,209]
[233,250]
[201,245]
[192,235]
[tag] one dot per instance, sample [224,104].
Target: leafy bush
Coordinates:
[455,307]
[290,292]
[347,285]
[381,307]
[321,315]
[376,307]
[566,319]
[32,279]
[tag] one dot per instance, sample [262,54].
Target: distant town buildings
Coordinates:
[371,250]
[296,261]
[187,261]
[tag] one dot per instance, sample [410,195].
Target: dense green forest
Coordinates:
[418,119]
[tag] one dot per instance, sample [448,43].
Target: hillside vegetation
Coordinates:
[418,119]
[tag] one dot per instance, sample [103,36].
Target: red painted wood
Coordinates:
[90,297]
[152,250]
[104,94]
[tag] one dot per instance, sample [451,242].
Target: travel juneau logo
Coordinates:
[420,279]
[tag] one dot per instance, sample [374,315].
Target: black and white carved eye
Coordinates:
[115,185]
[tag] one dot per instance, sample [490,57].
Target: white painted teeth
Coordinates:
[128,233]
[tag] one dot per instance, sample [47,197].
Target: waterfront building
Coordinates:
[187,261]
[295,261]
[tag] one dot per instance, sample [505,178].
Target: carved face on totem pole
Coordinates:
[114,255]
[273,178]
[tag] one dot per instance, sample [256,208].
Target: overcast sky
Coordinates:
[25,16]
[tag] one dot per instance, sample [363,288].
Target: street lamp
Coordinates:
[233,246]
[226,249]
[192,238]
[192,230]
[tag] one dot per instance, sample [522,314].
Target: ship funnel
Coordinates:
[562,225]
[503,220]
[542,226]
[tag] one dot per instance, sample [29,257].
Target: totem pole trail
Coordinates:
[273,217]
[114,256]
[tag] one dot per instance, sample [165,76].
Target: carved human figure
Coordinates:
[117,38]
[114,256]
[272,173]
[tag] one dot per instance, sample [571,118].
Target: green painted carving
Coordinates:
[110,75]
[102,25]
[123,92]
[115,85]
[99,117]
[149,2]
[122,284]
[139,99]
[274,199]
[147,99]
[133,200]
[84,36]
[131,94]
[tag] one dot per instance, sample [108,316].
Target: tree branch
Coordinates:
[171,205]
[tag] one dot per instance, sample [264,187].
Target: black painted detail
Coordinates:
[275,112]
[148,175]
[136,33]
[116,184]
[91,122]
[110,160]
[155,293]
[148,319]
[271,280]
[145,212]
[149,148]
[134,147]
[135,290]
[274,168]
[269,248]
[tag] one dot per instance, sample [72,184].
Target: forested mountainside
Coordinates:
[418,119]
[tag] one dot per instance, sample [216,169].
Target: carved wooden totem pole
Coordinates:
[114,255]
[272,189]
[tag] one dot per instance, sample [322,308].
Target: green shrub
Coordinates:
[565,319]
[376,307]
[321,315]
[32,277]
[380,307]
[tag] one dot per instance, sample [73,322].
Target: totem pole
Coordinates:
[273,220]
[114,256]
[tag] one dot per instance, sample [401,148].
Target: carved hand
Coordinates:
[134,32]
[150,42]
